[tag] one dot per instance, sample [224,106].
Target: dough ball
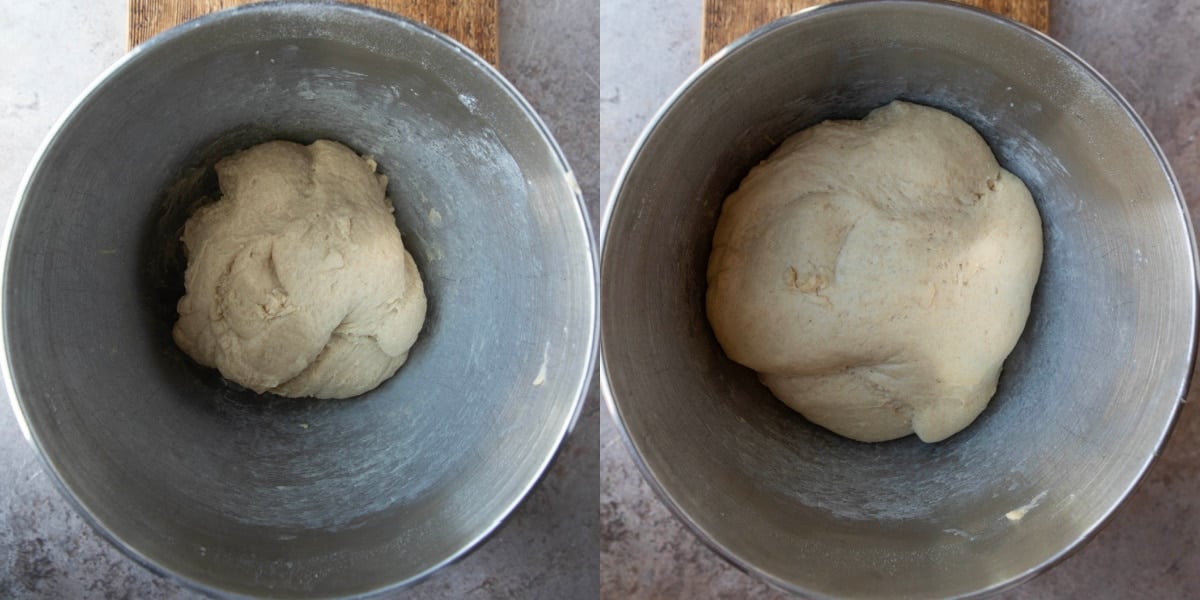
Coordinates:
[877,273]
[297,280]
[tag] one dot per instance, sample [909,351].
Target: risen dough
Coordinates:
[876,273]
[297,280]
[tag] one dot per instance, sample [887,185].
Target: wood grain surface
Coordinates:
[472,22]
[727,20]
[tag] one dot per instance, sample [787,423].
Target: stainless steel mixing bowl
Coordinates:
[241,494]
[1086,400]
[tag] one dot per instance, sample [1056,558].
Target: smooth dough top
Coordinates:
[877,273]
[297,280]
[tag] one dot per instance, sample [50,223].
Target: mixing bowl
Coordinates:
[1086,400]
[241,494]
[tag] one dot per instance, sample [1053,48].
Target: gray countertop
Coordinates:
[548,549]
[1151,547]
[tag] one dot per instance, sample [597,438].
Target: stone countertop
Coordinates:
[549,547]
[1151,547]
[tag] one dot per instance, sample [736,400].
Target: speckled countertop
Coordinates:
[1151,547]
[548,549]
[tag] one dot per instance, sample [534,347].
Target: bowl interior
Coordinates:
[297,497]
[1085,400]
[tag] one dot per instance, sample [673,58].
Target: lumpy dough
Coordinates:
[297,280]
[877,273]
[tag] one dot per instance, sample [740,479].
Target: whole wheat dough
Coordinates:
[297,280]
[877,273]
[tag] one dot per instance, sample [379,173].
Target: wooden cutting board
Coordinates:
[728,20]
[472,22]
